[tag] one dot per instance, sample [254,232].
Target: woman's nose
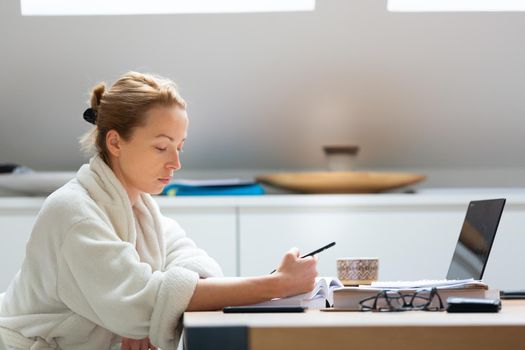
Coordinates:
[175,163]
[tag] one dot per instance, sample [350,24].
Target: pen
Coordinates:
[314,252]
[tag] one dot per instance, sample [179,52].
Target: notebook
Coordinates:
[320,297]
[350,298]
[472,249]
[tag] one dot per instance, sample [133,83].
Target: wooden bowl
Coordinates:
[340,182]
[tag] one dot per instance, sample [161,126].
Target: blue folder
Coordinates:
[231,190]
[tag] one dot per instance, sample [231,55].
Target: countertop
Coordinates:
[434,197]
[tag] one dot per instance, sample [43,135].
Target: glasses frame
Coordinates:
[407,301]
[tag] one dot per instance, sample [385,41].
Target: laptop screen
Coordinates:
[475,240]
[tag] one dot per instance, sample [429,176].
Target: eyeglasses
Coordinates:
[392,300]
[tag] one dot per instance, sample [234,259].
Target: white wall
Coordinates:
[432,92]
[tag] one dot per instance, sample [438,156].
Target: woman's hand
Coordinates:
[136,344]
[296,275]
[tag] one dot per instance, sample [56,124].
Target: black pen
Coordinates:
[314,252]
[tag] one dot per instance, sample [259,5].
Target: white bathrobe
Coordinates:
[97,269]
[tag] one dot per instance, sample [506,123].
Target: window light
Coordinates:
[455,5]
[146,7]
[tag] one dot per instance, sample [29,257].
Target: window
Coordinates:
[141,7]
[455,5]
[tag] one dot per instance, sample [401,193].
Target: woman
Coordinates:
[103,267]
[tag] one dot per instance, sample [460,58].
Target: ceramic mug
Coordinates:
[340,157]
[354,271]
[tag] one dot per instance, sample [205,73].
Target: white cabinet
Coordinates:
[212,229]
[507,259]
[413,235]
[16,223]
[409,244]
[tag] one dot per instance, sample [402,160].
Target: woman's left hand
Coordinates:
[137,344]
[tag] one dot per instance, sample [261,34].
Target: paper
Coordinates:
[315,299]
[442,284]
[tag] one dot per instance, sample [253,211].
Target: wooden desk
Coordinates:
[319,330]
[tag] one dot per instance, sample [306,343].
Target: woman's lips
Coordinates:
[165,181]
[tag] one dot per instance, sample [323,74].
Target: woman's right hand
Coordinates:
[296,275]
[136,344]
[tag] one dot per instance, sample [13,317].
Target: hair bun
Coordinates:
[96,94]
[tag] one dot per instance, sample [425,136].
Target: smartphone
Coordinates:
[262,309]
[512,294]
[473,305]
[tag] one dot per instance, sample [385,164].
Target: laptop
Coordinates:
[476,239]
[473,247]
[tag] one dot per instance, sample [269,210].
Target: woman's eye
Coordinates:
[161,148]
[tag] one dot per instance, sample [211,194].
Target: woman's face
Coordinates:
[146,162]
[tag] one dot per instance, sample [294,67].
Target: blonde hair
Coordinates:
[124,106]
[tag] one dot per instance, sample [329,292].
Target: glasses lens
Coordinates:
[419,301]
[384,301]
[427,300]
[396,301]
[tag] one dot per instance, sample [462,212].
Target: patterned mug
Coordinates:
[355,271]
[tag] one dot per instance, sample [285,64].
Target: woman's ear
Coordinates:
[113,142]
